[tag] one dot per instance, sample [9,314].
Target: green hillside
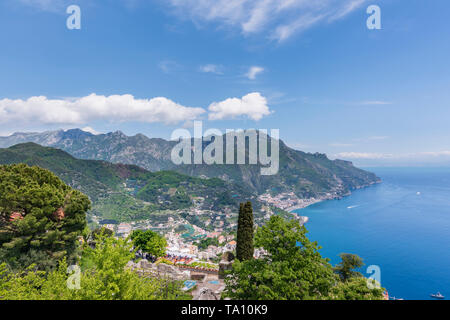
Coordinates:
[126,192]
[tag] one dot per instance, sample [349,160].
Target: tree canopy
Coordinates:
[150,242]
[291,269]
[345,269]
[41,218]
[107,278]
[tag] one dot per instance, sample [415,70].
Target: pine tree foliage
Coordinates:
[41,218]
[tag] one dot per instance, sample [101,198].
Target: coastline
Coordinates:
[303,206]
[303,219]
[309,202]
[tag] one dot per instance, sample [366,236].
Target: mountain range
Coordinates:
[306,174]
[127,192]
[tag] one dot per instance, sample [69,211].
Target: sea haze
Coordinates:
[402,225]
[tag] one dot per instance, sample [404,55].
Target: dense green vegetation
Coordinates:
[346,268]
[150,242]
[126,192]
[42,220]
[40,217]
[93,178]
[205,265]
[122,207]
[42,228]
[290,271]
[172,190]
[106,278]
[244,246]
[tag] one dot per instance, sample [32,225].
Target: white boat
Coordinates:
[437,296]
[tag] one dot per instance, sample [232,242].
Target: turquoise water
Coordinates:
[402,225]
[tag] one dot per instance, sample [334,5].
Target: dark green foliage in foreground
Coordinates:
[355,289]
[96,234]
[244,246]
[101,231]
[106,278]
[31,230]
[290,272]
[345,269]
[150,242]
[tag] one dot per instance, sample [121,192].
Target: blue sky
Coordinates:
[309,68]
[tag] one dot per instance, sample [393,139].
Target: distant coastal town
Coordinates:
[208,239]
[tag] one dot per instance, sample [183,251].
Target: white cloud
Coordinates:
[347,8]
[341,145]
[401,156]
[119,108]
[212,68]
[299,145]
[436,154]
[285,31]
[91,130]
[363,155]
[253,105]
[378,138]
[5,133]
[280,19]
[375,103]
[169,66]
[253,72]
[46,5]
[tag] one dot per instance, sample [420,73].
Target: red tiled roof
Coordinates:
[59,214]
[15,216]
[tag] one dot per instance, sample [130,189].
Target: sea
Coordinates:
[401,226]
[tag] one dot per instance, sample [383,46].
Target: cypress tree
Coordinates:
[239,233]
[244,247]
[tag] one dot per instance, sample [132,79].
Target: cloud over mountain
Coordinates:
[123,108]
[253,106]
[116,108]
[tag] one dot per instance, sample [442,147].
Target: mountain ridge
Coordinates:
[127,192]
[306,174]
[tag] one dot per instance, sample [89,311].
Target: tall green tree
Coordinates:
[150,242]
[287,271]
[41,218]
[291,269]
[244,246]
[346,268]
